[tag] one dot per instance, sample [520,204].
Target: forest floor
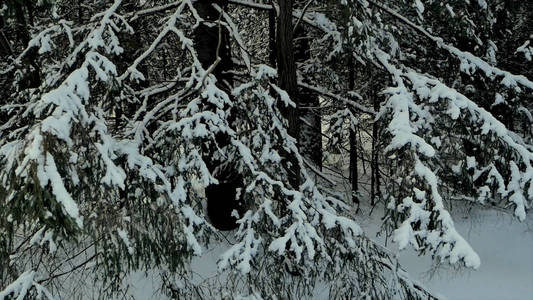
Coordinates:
[504,245]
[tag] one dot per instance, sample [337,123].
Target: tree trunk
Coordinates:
[5,46]
[272,38]
[32,78]
[21,30]
[374,161]
[5,50]
[353,138]
[222,198]
[132,45]
[310,131]
[287,81]
[206,40]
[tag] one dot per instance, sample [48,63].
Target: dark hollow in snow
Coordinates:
[222,199]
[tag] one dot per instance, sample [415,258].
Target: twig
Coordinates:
[301,16]
[251,4]
[152,10]
[318,172]
[70,271]
[328,94]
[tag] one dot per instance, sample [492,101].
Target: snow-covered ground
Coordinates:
[504,244]
[505,247]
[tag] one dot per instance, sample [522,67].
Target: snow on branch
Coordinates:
[413,116]
[297,236]
[307,209]
[132,73]
[428,224]
[526,50]
[433,90]
[469,62]
[69,100]
[314,19]
[25,287]
[348,102]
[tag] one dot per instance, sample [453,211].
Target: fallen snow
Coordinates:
[503,244]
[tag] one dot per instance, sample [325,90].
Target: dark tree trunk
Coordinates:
[5,46]
[207,40]
[374,161]
[353,138]
[222,198]
[5,50]
[29,7]
[133,47]
[22,31]
[287,81]
[310,138]
[272,38]
[33,78]
[354,167]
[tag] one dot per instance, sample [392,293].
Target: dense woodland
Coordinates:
[136,134]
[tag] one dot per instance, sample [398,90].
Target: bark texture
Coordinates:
[310,131]
[287,81]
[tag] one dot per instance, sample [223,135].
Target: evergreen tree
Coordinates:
[133,131]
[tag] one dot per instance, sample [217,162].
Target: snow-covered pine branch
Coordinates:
[127,127]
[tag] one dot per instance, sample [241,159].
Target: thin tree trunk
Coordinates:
[372,175]
[353,138]
[5,46]
[206,40]
[29,7]
[374,163]
[363,164]
[32,78]
[272,37]
[310,138]
[22,31]
[5,50]
[132,45]
[80,12]
[354,180]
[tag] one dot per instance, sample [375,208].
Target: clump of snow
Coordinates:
[526,50]
[21,287]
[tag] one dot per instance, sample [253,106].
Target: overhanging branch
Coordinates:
[328,94]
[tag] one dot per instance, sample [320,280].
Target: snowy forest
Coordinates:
[255,138]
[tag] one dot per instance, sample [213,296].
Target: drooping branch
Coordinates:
[329,94]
